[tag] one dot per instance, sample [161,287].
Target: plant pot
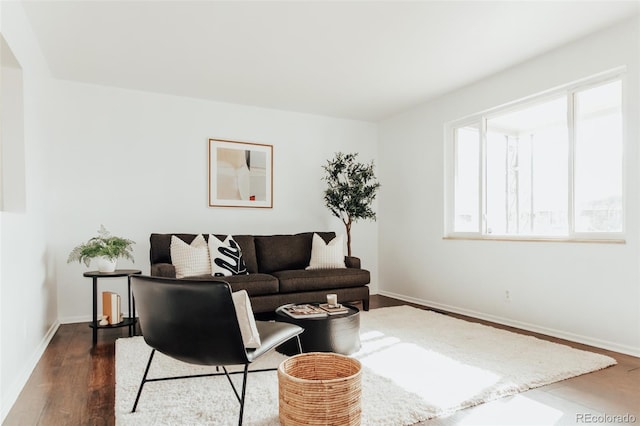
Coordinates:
[105,264]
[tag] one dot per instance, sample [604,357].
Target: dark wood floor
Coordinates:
[74,384]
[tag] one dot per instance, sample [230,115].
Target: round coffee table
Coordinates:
[333,333]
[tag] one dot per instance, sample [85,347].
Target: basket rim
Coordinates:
[356,362]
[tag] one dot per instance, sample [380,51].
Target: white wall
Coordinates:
[584,292]
[12,178]
[28,314]
[137,163]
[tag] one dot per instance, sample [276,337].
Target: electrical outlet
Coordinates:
[507,296]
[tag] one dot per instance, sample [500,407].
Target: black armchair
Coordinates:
[195,322]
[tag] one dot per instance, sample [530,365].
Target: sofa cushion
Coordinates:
[327,255]
[255,284]
[320,279]
[248,247]
[226,257]
[190,259]
[285,252]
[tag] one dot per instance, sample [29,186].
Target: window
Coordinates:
[551,167]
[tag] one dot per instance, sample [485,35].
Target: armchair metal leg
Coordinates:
[299,344]
[144,380]
[239,396]
[244,388]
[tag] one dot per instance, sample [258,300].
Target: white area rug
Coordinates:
[417,365]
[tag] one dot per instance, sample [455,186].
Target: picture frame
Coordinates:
[240,174]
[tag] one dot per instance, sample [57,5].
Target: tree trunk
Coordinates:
[348,226]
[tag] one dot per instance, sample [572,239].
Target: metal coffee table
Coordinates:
[333,333]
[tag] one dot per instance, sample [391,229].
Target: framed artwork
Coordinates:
[240,174]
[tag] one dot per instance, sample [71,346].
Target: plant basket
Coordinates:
[319,388]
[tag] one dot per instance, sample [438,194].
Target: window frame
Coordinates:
[479,120]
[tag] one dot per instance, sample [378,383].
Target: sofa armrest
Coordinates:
[163,270]
[352,262]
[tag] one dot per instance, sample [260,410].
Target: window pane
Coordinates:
[598,159]
[497,205]
[467,179]
[527,171]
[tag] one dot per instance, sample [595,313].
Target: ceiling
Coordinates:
[358,60]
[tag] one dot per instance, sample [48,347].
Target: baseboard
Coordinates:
[10,397]
[74,320]
[586,340]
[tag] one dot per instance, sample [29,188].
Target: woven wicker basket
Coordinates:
[319,388]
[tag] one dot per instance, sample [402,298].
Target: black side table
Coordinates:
[130,321]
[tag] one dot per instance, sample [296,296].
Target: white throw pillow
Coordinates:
[248,328]
[327,255]
[190,259]
[226,257]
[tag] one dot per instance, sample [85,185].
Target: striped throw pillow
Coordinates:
[327,255]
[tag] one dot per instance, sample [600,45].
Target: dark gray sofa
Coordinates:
[276,266]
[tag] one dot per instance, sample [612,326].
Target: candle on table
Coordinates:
[332,299]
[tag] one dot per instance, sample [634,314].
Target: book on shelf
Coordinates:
[334,309]
[111,307]
[304,311]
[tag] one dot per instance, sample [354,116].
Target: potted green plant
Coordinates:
[351,188]
[105,248]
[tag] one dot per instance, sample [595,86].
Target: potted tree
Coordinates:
[105,248]
[351,188]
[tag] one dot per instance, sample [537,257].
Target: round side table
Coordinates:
[332,333]
[130,321]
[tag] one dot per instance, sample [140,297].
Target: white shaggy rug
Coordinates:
[417,365]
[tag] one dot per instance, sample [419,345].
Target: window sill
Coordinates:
[540,239]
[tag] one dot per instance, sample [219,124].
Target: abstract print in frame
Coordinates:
[240,174]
